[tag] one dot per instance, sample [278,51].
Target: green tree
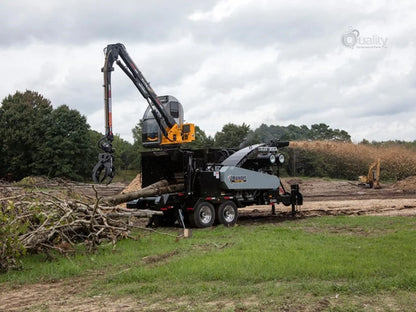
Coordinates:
[296,133]
[135,158]
[94,150]
[23,124]
[320,131]
[137,133]
[201,140]
[35,139]
[126,155]
[231,135]
[324,132]
[67,150]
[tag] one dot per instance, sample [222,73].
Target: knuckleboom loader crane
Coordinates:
[162,121]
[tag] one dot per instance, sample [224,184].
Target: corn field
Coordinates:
[348,160]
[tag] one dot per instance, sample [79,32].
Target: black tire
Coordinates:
[227,213]
[203,215]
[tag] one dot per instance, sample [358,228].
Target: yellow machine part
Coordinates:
[179,134]
[373,177]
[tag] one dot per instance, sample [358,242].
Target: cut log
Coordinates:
[158,188]
[133,213]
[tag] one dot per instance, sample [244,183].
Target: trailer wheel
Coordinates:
[227,213]
[203,215]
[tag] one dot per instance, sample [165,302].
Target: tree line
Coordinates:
[36,139]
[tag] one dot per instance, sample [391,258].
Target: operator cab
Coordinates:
[151,133]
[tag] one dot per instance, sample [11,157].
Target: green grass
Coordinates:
[333,263]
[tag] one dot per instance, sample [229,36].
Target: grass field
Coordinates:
[318,264]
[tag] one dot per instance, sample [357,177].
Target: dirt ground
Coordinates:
[321,198]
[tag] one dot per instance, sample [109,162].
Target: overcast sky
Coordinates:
[349,64]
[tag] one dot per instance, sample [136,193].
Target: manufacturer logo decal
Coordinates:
[237,178]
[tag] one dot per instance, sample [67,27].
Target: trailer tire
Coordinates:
[203,215]
[227,213]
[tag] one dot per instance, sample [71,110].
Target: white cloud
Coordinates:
[221,11]
[234,61]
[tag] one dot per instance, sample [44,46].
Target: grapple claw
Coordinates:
[104,170]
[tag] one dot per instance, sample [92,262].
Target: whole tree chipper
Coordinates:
[216,181]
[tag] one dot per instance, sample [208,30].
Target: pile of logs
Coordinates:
[55,222]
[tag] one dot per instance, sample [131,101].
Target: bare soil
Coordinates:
[65,295]
[331,198]
[321,198]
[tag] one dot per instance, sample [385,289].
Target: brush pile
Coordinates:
[38,221]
